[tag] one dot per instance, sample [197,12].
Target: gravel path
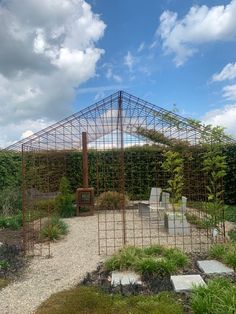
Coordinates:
[73,256]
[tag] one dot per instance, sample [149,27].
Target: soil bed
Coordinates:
[151,284]
[11,237]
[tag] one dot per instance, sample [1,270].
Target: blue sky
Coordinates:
[131,27]
[58,57]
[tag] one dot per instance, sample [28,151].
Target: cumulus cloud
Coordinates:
[47,49]
[224,117]
[227,73]
[202,24]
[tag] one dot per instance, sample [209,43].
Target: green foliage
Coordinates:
[10,200]
[153,267]
[218,297]
[64,204]
[154,249]
[92,301]
[180,259]
[215,167]
[153,260]
[111,200]
[53,229]
[225,253]
[173,166]
[201,223]
[4,265]
[126,258]
[232,234]
[45,206]
[218,251]
[230,213]
[11,222]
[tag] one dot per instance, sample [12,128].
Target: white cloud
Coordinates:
[47,49]
[227,73]
[229,92]
[13,132]
[224,117]
[129,60]
[111,75]
[141,47]
[200,25]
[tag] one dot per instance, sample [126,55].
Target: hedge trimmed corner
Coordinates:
[142,165]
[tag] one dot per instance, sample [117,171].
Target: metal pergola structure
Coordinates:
[113,129]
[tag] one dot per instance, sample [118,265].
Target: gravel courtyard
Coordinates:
[72,257]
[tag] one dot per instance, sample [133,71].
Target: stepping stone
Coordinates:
[125,278]
[214,267]
[186,282]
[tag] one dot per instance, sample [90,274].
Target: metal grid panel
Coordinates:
[114,142]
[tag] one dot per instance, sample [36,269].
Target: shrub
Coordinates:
[45,206]
[53,229]
[232,234]
[153,260]
[64,201]
[225,252]
[10,201]
[151,266]
[111,200]
[218,251]
[14,222]
[153,250]
[124,259]
[178,257]
[217,297]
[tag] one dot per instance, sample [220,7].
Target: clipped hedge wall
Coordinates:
[142,171]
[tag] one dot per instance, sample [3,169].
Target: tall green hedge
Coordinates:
[142,168]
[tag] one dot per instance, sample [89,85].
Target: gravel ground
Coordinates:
[72,258]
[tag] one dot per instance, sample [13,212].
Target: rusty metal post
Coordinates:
[122,167]
[85,159]
[23,187]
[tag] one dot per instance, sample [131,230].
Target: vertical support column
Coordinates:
[23,191]
[122,167]
[85,159]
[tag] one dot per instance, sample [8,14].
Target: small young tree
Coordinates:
[215,166]
[173,165]
[64,202]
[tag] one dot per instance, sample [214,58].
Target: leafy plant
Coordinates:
[225,253]
[153,260]
[13,222]
[232,234]
[53,229]
[173,165]
[111,200]
[215,167]
[63,201]
[217,297]
[10,201]
[218,251]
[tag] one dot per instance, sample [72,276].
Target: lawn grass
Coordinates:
[87,300]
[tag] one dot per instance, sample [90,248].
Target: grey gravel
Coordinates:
[72,258]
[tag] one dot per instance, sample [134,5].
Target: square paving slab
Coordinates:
[186,282]
[125,278]
[214,267]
